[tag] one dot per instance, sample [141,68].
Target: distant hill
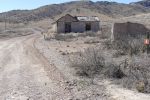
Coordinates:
[145,3]
[142,18]
[100,8]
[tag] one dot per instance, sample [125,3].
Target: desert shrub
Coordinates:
[64,37]
[130,47]
[131,75]
[91,41]
[140,86]
[113,71]
[48,35]
[136,76]
[91,62]
[120,45]
[91,34]
[118,53]
[135,47]
[88,63]
[104,35]
[105,32]
[141,75]
[16,32]
[107,44]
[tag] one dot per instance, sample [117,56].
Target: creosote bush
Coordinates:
[131,75]
[136,76]
[113,71]
[88,63]
[91,62]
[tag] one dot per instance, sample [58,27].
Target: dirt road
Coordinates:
[22,74]
[25,74]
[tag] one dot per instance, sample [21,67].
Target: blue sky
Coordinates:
[6,5]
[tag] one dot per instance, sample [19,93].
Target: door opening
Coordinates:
[88,27]
[67,27]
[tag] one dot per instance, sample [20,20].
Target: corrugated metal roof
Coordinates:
[87,18]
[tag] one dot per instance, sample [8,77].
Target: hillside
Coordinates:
[145,3]
[142,18]
[101,8]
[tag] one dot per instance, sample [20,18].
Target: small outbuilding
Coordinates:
[77,24]
[122,31]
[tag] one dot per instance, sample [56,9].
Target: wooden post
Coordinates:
[147,47]
[147,42]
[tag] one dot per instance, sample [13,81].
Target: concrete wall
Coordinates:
[60,27]
[125,30]
[95,26]
[78,27]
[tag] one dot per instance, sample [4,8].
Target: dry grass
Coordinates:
[67,36]
[92,41]
[105,31]
[131,47]
[128,47]
[141,18]
[10,26]
[14,30]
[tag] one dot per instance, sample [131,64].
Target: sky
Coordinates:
[6,5]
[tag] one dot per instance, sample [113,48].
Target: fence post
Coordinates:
[147,42]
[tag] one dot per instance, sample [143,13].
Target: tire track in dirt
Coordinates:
[27,75]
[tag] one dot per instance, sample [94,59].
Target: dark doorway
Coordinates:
[88,27]
[67,27]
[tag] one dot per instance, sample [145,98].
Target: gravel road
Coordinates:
[22,74]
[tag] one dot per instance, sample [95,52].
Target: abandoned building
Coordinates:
[128,29]
[77,24]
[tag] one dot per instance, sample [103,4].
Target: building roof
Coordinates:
[78,18]
[87,18]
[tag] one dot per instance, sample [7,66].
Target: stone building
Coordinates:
[77,24]
[123,31]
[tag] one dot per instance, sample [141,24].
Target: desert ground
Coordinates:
[32,68]
[28,75]
[36,63]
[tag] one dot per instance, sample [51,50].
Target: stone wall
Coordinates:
[125,30]
[78,27]
[60,27]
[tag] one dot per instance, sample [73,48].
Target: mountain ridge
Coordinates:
[145,3]
[110,9]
